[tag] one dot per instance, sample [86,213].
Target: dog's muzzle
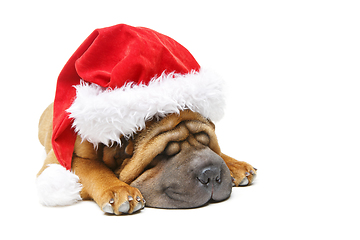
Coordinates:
[189,179]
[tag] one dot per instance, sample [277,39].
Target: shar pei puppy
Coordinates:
[175,162]
[132,125]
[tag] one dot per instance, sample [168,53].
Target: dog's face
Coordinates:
[176,163]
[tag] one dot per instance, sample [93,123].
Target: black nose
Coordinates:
[210,175]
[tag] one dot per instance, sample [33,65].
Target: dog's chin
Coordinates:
[174,199]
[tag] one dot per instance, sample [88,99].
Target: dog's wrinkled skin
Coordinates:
[175,162]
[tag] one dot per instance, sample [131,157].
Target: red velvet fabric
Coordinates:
[112,57]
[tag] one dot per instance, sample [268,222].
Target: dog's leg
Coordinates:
[101,185]
[243,174]
[50,159]
[56,186]
[45,128]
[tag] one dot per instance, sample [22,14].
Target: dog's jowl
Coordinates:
[132,125]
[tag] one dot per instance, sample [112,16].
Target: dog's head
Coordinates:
[175,163]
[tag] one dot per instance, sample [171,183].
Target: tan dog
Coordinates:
[175,162]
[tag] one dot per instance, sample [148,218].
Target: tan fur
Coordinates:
[105,172]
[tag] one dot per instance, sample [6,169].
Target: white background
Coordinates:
[293,80]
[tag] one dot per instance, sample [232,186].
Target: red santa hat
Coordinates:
[119,78]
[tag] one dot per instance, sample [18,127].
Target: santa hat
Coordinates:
[119,78]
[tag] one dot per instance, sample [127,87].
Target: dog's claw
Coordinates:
[108,208]
[244,182]
[138,207]
[125,207]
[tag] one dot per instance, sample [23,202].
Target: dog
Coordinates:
[174,162]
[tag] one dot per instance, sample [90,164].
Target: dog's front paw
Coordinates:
[121,200]
[242,173]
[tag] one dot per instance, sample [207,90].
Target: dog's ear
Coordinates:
[212,124]
[108,156]
[129,149]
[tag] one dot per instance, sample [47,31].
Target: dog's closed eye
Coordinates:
[203,138]
[172,148]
